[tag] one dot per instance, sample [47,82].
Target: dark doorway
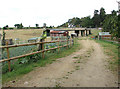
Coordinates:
[77,32]
[82,32]
[89,31]
[48,32]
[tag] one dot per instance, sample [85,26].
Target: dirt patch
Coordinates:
[84,68]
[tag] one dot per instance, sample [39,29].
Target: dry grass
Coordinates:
[23,34]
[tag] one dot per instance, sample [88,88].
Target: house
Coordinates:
[104,35]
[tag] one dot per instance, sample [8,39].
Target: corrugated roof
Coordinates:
[57,31]
[104,33]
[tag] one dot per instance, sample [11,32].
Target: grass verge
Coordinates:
[111,49]
[21,69]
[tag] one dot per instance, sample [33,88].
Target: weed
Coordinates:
[77,67]
[75,62]
[75,57]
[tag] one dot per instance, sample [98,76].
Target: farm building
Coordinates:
[78,31]
[104,35]
[58,34]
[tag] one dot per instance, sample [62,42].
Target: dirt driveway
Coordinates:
[84,68]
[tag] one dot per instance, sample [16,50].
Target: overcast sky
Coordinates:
[51,12]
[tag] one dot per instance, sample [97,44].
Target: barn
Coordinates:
[58,34]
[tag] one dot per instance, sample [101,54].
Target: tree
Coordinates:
[37,25]
[111,24]
[96,19]
[86,22]
[3,37]
[6,27]
[118,26]
[19,26]
[64,25]
[44,25]
[96,12]
[74,21]
[102,15]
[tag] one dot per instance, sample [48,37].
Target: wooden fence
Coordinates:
[69,43]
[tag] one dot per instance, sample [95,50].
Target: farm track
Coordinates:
[84,68]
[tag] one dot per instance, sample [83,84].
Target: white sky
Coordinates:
[51,12]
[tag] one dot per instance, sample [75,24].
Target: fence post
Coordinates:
[73,41]
[70,41]
[67,43]
[43,50]
[8,57]
[58,44]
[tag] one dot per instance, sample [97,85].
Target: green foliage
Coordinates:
[118,26]
[102,15]
[77,22]
[6,27]
[3,37]
[37,25]
[110,24]
[86,22]
[74,21]
[64,25]
[96,19]
[19,26]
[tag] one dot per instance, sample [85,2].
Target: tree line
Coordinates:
[20,26]
[109,22]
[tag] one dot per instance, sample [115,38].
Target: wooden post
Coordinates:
[58,44]
[70,41]
[73,41]
[43,50]
[8,57]
[67,43]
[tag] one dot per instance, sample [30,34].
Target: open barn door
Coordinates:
[77,32]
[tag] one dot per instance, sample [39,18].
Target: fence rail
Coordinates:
[69,43]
